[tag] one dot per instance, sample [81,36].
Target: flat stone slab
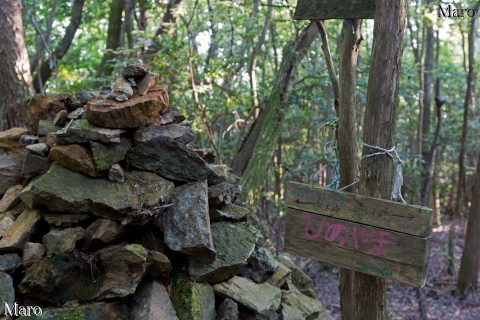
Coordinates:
[10,198]
[260,298]
[136,112]
[20,231]
[179,133]
[296,305]
[80,131]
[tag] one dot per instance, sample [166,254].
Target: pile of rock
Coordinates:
[108,213]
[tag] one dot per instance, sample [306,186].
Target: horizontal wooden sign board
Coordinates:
[374,236]
[334,9]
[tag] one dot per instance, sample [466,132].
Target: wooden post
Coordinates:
[379,127]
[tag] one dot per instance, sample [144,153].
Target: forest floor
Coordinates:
[442,302]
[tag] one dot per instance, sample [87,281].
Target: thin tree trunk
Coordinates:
[461,187]
[379,130]
[347,139]
[15,78]
[47,67]
[129,16]
[470,264]
[168,18]
[113,36]
[253,157]
[428,81]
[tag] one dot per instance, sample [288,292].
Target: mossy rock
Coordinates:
[192,300]
[97,311]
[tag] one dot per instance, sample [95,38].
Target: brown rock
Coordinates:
[10,169]
[137,112]
[10,198]
[74,157]
[152,302]
[60,118]
[171,115]
[16,235]
[134,70]
[43,107]
[146,83]
[160,264]
[34,165]
[9,138]
[104,230]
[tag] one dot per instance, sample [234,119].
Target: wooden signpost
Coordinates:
[379,237]
[334,9]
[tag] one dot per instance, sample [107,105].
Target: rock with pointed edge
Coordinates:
[31,252]
[177,132]
[40,149]
[76,158]
[116,173]
[9,262]
[106,155]
[20,231]
[152,302]
[10,198]
[62,240]
[80,131]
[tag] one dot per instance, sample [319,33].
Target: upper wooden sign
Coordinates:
[374,236]
[334,9]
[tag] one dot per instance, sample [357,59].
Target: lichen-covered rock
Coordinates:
[299,279]
[31,252]
[10,198]
[152,302]
[43,107]
[58,279]
[171,160]
[192,300]
[296,305]
[20,231]
[260,298]
[80,131]
[228,310]
[151,188]
[187,225]
[62,190]
[262,265]
[123,267]
[177,132]
[74,157]
[229,212]
[234,244]
[62,240]
[94,311]
[136,112]
[106,155]
[7,292]
[223,193]
[121,87]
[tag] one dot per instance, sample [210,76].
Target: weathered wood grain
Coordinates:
[406,273]
[334,9]
[352,236]
[394,216]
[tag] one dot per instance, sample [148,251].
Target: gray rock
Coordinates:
[10,169]
[28,139]
[104,230]
[281,276]
[177,132]
[262,265]
[62,240]
[192,300]
[152,188]
[94,311]
[31,252]
[45,127]
[207,154]
[152,302]
[229,212]
[20,231]
[9,262]
[187,225]
[106,155]
[223,193]
[60,118]
[62,190]
[77,113]
[7,292]
[34,165]
[10,198]
[85,95]
[123,268]
[160,264]
[121,86]
[234,244]
[146,82]
[116,173]
[228,310]
[295,306]
[80,131]
[38,148]
[64,220]
[172,115]
[134,70]
[171,160]
[260,298]
[299,279]
[6,221]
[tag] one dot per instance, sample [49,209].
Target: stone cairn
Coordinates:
[108,213]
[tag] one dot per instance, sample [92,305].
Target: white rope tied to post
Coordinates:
[396,193]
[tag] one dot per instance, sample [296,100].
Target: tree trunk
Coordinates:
[428,83]
[168,18]
[347,139]
[15,78]
[461,187]
[470,264]
[113,36]
[47,67]
[379,128]
[253,157]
